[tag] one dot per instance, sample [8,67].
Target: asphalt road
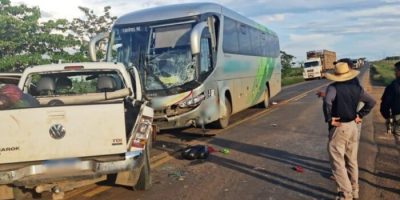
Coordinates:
[264,147]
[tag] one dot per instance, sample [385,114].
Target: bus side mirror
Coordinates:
[195,37]
[92,45]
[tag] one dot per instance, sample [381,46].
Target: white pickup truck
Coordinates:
[91,122]
[10,78]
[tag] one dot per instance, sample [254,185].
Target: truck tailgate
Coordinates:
[61,132]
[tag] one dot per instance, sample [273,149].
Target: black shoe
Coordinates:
[340,196]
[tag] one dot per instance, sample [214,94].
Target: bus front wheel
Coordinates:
[224,121]
[265,103]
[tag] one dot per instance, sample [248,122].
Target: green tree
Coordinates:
[90,25]
[25,42]
[286,61]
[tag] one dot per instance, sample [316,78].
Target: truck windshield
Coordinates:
[162,54]
[311,64]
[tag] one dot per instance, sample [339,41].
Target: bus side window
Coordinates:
[205,57]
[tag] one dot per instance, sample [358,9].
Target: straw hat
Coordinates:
[342,73]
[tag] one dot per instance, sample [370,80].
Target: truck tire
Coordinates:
[224,122]
[145,182]
[24,194]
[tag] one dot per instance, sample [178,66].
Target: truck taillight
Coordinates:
[142,133]
[73,67]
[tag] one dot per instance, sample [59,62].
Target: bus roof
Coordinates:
[184,10]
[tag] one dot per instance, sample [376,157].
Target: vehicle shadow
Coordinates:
[274,178]
[390,177]
[275,155]
[304,187]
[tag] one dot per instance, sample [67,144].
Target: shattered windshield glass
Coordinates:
[170,58]
[129,45]
[162,54]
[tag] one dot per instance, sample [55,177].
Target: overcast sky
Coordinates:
[352,28]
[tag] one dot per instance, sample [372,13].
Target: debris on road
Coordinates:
[259,168]
[178,175]
[274,103]
[211,149]
[298,169]
[224,151]
[274,125]
[195,152]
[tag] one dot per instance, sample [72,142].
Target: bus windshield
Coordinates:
[311,64]
[161,54]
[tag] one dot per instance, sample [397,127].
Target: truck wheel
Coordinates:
[265,103]
[144,182]
[24,194]
[224,122]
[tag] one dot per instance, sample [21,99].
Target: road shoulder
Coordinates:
[378,154]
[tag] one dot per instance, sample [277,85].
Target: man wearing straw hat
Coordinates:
[340,109]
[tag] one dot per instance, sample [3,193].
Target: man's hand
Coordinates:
[358,120]
[335,122]
[320,94]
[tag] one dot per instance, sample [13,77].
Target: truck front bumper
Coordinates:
[311,75]
[87,169]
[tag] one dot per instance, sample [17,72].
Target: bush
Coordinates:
[382,71]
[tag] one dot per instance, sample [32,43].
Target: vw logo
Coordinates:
[57,131]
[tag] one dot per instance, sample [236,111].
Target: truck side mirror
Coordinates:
[92,45]
[195,37]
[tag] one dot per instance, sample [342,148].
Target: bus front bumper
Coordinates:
[190,118]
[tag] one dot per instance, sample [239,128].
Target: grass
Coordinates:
[382,71]
[292,76]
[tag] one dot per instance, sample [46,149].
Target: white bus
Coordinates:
[199,63]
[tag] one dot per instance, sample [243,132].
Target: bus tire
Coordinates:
[144,182]
[265,103]
[224,122]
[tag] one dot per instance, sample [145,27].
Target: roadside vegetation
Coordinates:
[290,75]
[26,41]
[382,70]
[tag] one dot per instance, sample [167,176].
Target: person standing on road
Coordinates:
[349,62]
[340,109]
[390,105]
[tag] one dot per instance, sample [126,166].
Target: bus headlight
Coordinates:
[192,101]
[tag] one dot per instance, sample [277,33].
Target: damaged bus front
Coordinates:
[184,72]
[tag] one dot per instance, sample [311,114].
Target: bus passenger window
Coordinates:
[231,36]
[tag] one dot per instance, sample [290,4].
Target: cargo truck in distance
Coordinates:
[318,63]
[88,122]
